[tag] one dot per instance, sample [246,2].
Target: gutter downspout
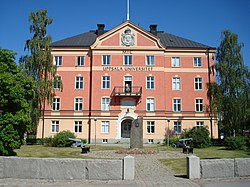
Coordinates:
[90,95]
[210,98]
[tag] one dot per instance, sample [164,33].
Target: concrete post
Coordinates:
[128,168]
[193,167]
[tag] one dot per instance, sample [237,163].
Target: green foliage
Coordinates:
[61,139]
[236,143]
[15,94]
[200,137]
[172,140]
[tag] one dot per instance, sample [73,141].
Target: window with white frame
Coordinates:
[78,126]
[150,127]
[54,126]
[56,103]
[176,105]
[79,82]
[175,61]
[105,103]
[105,127]
[80,61]
[57,82]
[106,60]
[105,82]
[127,60]
[58,60]
[198,83]
[197,62]
[150,60]
[199,123]
[199,105]
[78,104]
[150,104]
[150,82]
[176,83]
[177,127]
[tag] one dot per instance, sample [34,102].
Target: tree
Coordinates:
[232,84]
[39,65]
[15,93]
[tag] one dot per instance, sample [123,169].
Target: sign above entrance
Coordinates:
[122,68]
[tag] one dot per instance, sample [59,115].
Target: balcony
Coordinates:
[127,91]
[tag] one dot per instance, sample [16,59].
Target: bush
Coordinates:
[61,139]
[236,143]
[172,141]
[200,137]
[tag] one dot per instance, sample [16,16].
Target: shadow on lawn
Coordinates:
[181,176]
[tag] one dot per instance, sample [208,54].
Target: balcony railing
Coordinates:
[127,91]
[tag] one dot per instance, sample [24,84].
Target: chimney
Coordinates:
[153,29]
[100,29]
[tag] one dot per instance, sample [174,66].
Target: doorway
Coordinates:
[126,128]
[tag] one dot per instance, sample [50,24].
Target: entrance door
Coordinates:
[128,84]
[126,128]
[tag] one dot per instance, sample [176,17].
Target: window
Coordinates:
[106,82]
[199,123]
[150,60]
[150,82]
[197,61]
[80,61]
[199,105]
[105,103]
[150,127]
[79,82]
[78,126]
[106,60]
[198,83]
[177,127]
[56,103]
[127,60]
[57,82]
[150,104]
[177,105]
[175,61]
[104,140]
[105,127]
[176,83]
[55,126]
[150,140]
[58,60]
[78,104]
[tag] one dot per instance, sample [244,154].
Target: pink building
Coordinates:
[112,77]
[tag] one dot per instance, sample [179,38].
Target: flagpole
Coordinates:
[127,10]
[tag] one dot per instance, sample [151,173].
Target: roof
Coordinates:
[168,40]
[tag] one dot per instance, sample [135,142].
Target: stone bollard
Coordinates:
[128,168]
[193,167]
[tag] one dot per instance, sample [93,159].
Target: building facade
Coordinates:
[112,77]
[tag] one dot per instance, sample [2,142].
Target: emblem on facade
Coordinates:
[128,38]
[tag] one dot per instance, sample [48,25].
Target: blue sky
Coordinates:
[199,20]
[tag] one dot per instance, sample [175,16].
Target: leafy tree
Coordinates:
[15,93]
[232,92]
[39,65]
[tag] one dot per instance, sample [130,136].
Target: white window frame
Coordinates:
[150,60]
[56,103]
[199,124]
[176,61]
[55,126]
[78,104]
[58,60]
[79,82]
[105,104]
[80,60]
[105,126]
[150,82]
[106,82]
[176,83]
[150,127]
[57,82]
[106,60]
[127,60]
[199,105]
[177,105]
[197,61]
[78,126]
[150,104]
[198,83]
[177,127]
